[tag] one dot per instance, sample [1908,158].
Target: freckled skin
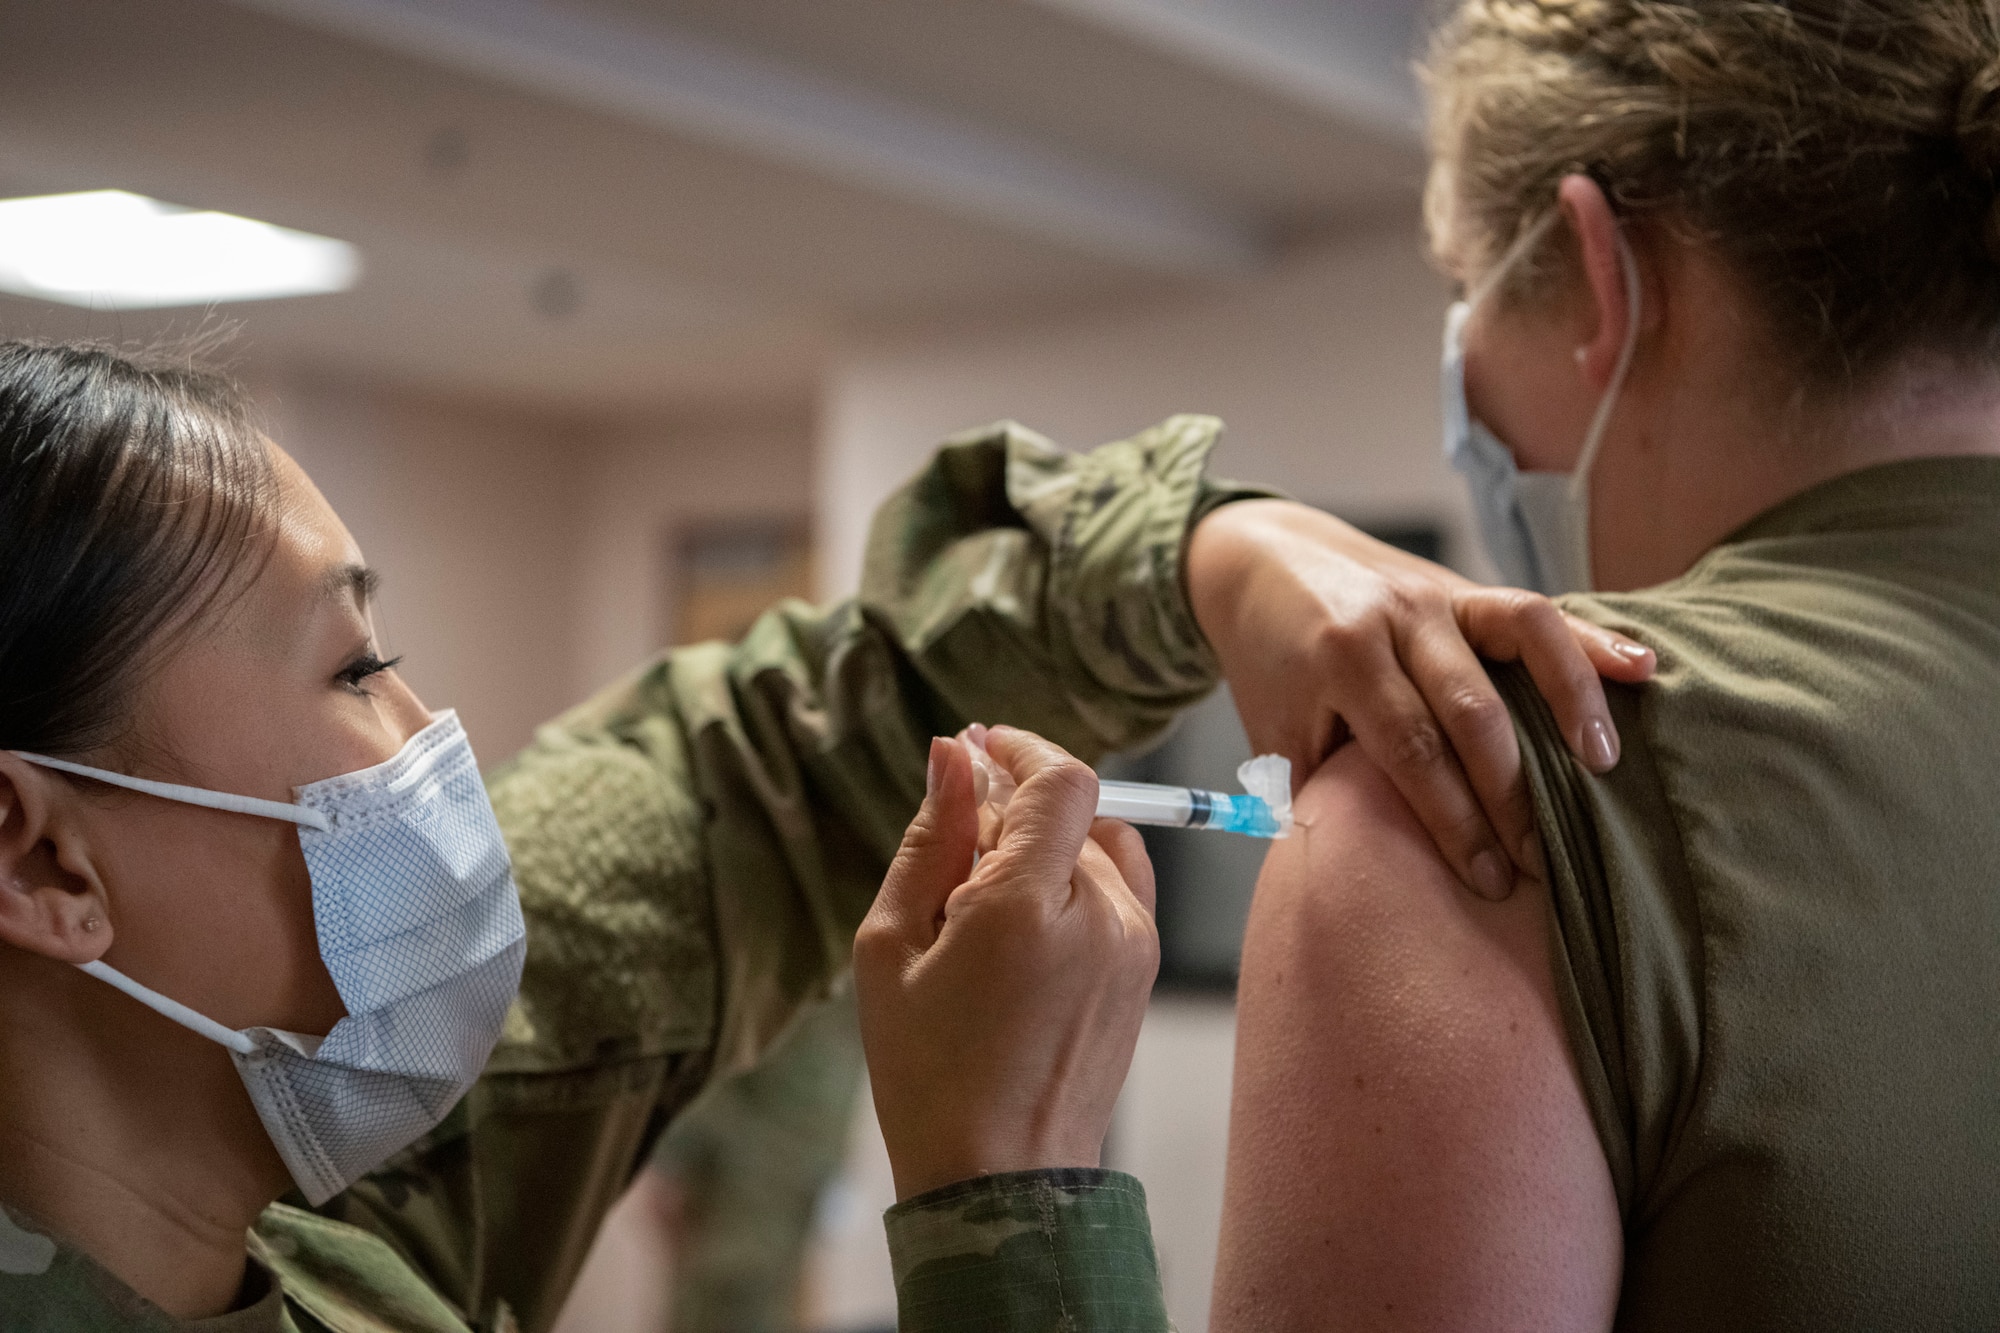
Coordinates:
[1409,1147]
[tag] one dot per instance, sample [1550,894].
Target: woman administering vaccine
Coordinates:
[264,932]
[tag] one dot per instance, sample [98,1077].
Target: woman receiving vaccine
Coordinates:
[1728,372]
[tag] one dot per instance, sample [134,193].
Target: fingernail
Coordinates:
[935,768]
[1630,651]
[1489,875]
[1600,746]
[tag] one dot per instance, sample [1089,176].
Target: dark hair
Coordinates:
[1844,155]
[131,487]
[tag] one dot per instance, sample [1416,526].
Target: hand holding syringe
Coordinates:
[1262,810]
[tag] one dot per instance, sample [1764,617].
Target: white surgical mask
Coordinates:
[420,925]
[1534,525]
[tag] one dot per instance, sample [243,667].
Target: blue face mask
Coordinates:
[1535,525]
[420,925]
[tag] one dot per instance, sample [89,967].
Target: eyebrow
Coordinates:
[356,581]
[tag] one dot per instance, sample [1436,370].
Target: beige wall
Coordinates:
[472,521]
[644,483]
[524,562]
[1326,372]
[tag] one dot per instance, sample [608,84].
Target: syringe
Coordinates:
[1188,807]
[1262,810]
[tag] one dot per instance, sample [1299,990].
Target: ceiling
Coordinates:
[640,205]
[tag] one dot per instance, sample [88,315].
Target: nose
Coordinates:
[401,709]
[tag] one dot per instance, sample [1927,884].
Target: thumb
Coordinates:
[1050,814]
[936,855]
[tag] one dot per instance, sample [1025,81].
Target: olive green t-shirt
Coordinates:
[1778,919]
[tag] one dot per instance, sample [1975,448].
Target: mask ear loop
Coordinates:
[1593,440]
[173,791]
[1523,243]
[171,1009]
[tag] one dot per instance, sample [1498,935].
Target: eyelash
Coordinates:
[362,667]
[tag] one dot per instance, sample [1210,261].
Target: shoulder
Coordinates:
[605,828]
[1362,861]
[1360,919]
[50,1287]
[1408,1132]
[1803,612]
[589,800]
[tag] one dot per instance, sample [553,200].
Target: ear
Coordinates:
[51,899]
[1595,226]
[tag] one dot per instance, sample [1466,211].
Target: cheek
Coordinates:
[215,911]
[1529,391]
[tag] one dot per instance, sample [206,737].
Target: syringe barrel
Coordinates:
[1145,803]
[1186,807]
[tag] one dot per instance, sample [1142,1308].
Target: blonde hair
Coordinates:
[1839,155]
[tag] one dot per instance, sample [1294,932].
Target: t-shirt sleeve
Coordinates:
[1626,933]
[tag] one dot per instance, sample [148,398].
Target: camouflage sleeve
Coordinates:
[1044,589]
[696,845]
[1032,1250]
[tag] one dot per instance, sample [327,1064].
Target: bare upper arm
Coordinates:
[1409,1145]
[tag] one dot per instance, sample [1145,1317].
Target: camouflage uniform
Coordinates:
[749,1161]
[695,848]
[1067,1249]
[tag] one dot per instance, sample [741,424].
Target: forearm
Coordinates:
[1226,555]
[1230,553]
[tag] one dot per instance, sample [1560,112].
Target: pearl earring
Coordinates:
[90,924]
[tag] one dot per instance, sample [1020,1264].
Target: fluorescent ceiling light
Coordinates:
[110,250]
